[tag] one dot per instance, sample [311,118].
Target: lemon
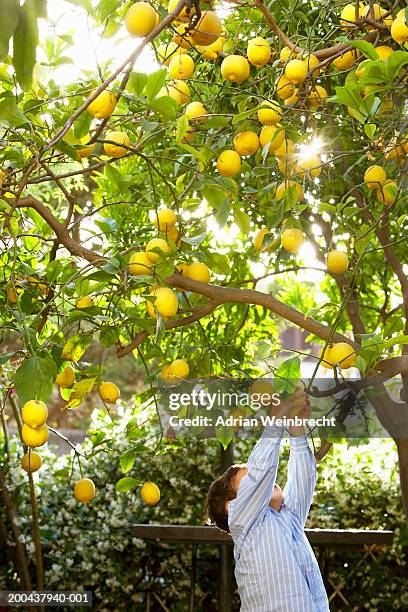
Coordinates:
[166,52]
[182,37]
[103,105]
[109,392]
[292,240]
[150,493]
[337,262]
[166,375]
[259,238]
[185,13]
[207,30]
[34,413]
[85,302]
[286,150]
[296,71]
[343,355]
[84,490]
[350,14]
[156,248]
[2,177]
[316,96]
[387,193]
[166,303]
[31,462]
[262,388]
[173,233]
[66,377]
[173,372]
[311,166]
[258,52]
[324,355]
[34,436]
[165,219]
[181,67]
[235,68]
[270,113]
[374,177]
[272,134]
[140,19]
[84,152]
[285,54]
[399,29]
[311,63]
[284,88]
[115,150]
[199,272]
[212,51]
[285,186]
[178,90]
[246,143]
[292,100]
[195,111]
[286,165]
[229,163]
[345,61]
[384,51]
[140,264]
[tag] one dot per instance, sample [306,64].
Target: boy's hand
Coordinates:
[297,404]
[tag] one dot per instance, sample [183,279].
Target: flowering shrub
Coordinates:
[92,546]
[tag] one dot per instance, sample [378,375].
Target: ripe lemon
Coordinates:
[173,233]
[85,302]
[31,462]
[270,113]
[34,413]
[343,355]
[374,177]
[115,150]
[212,51]
[259,238]
[140,19]
[399,29]
[286,150]
[183,38]
[384,51]
[350,14]
[179,91]
[181,67]
[103,105]
[150,493]
[34,436]
[345,61]
[166,52]
[84,490]
[175,371]
[316,96]
[296,71]
[165,219]
[285,186]
[337,262]
[195,111]
[199,272]
[84,152]
[284,88]
[292,100]
[208,29]
[166,303]
[235,68]
[229,163]
[109,392]
[286,165]
[286,54]
[258,52]
[292,240]
[140,264]
[185,13]
[311,165]
[387,193]
[246,143]
[156,248]
[324,355]
[311,63]
[273,135]
[166,375]
[66,378]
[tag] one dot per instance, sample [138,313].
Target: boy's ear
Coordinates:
[226,507]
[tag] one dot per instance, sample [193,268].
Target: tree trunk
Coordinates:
[402,446]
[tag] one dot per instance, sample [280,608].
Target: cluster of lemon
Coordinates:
[352,14]
[386,190]
[35,430]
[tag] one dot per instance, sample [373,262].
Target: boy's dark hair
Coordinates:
[220,492]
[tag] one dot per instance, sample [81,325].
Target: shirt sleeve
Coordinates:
[256,488]
[300,485]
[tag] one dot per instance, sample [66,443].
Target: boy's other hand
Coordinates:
[296,404]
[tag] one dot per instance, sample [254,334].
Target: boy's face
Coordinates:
[277,496]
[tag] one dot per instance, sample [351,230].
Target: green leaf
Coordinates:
[5,357]
[82,124]
[9,16]
[166,106]
[10,113]
[155,82]
[367,48]
[370,129]
[126,484]
[76,346]
[25,44]
[397,340]
[182,126]
[224,435]
[137,82]
[395,62]
[127,460]
[223,212]
[34,379]
[243,221]
[286,376]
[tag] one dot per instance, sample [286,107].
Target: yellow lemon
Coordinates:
[84,152]
[31,462]
[350,14]
[324,355]
[296,71]
[258,52]
[34,413]
[2,177]
[199,272]
[175,371]
[165,219]
[270,113]
[207,30]
[182,37]
[384,51]
[246,143]
[374,177]
[185,13]
[66,377]
[166,52]
[284,88]
[84,490]
[316,96]
[140,264]
[387,193]
[181,67]
[109,392]
[150,493]
[195,111]
[286,150]
[115,150]
[259,238]
[345,61]
[311,166]
[292,100]
[85,302]
[343,355]
[399,30]
[156,248]
[311,63]
[34,436]
[229,163]
[103,105]
[285,186]
[292,240]
[273,135]
[166,303]
[286,54]
[235,68]
[212,51]
[337,262]
[140,19]
[178,90]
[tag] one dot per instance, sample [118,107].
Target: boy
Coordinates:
[275,568]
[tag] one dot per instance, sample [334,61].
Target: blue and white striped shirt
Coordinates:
[275,566]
